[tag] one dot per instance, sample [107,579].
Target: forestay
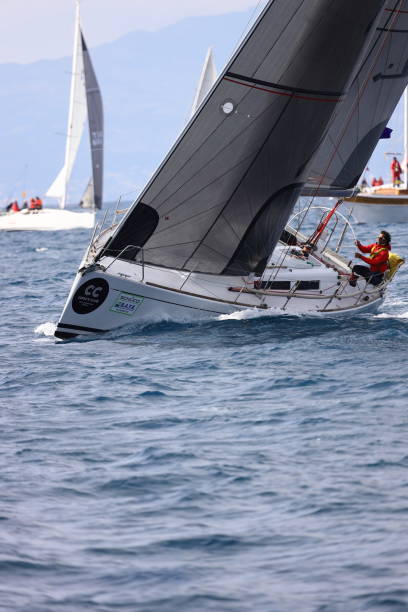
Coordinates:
[221,198]
[373,96]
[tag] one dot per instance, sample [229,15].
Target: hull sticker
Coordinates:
[127,303]
[90,296]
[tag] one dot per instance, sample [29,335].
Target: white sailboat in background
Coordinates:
[207,80]
[197,242]
[85,104]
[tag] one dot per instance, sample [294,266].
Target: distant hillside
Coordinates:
[148,81]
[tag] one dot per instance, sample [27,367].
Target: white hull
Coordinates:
[117,293]
[379,213]
[47,219]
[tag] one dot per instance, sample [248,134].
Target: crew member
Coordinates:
[377,260]
[38,203]
[15,207]
[396,172]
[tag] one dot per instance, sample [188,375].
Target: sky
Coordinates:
[32,30]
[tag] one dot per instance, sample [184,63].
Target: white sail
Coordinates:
[207,80]
[88,197]
[76,118]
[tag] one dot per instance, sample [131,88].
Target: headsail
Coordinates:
[95,121]
[207,80]
[221,198]
[373,96]
[76,118]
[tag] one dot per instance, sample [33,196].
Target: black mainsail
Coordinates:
[95,122]
[221,198]
[373,96]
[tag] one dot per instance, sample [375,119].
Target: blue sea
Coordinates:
[249,464]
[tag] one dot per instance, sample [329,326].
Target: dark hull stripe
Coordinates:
[309,94]
[79,327]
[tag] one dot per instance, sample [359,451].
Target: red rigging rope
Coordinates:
[313,240]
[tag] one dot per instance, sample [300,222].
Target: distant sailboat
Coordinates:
[197,242]
[85,103]
[207,79]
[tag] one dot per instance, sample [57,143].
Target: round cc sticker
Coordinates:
[90,296]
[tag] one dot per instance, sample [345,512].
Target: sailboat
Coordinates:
[207,79]
[197,242]
[85,104]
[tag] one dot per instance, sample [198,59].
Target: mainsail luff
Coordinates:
[373,96]
[95,122]
[220,200]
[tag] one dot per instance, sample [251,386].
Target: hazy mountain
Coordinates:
[148,81]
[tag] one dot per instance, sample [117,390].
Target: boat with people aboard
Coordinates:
[213,233]
[85,106]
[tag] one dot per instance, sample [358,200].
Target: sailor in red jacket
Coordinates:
[377,260]
[396,172]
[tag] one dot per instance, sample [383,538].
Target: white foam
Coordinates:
[252,313]
[46,329]
[387,315]
[41,249]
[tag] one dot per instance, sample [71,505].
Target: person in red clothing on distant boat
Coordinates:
[396,172]
[377,260]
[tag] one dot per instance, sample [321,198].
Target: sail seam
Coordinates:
[278,119]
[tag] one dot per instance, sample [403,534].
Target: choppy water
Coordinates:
[253,464]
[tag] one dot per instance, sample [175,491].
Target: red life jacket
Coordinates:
[15,207]
[33,204]
[379,258]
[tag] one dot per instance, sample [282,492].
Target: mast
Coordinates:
[405,159]
[75,69]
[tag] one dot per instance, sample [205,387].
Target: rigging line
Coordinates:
[248,26]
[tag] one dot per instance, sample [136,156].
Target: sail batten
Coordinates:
[226,189]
